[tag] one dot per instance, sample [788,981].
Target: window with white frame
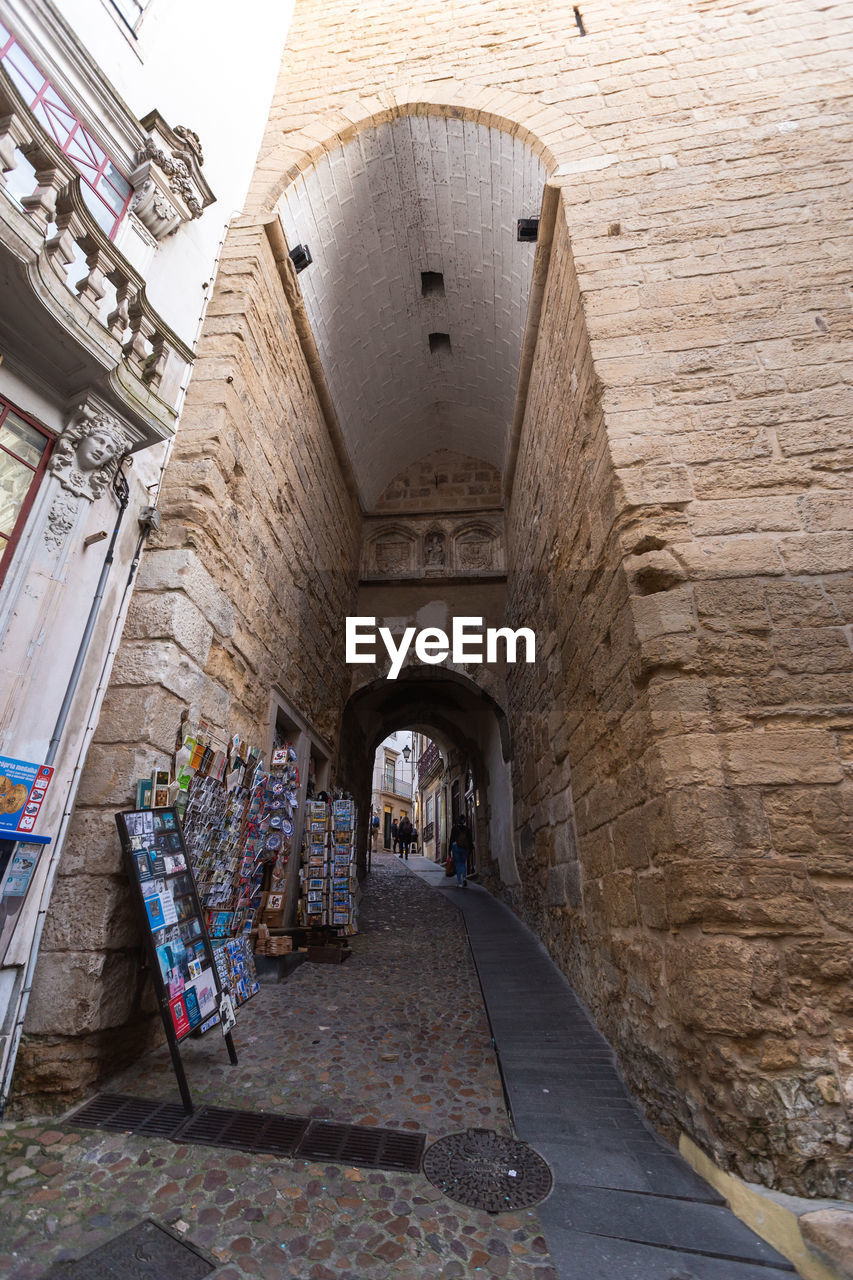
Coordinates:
[130,11]
[390,771]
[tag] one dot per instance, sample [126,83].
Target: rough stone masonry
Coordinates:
[679,536]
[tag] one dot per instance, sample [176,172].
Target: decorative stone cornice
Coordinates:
[168,184]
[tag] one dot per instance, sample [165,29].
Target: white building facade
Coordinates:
[128,134]
[392,792]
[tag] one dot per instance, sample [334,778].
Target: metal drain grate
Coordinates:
[120,1113]
[257,1131]
[145,1252]
[485,1170]
[354,1144]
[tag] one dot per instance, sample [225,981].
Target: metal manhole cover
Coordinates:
[485,1170]
[145,1252]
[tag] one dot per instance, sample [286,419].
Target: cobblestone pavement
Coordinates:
[396,1036]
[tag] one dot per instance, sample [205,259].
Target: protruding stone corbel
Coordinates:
[169,187]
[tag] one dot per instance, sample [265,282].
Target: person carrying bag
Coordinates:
[461,844]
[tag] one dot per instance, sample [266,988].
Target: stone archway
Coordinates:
[448,705]
[678,775]
[290,146]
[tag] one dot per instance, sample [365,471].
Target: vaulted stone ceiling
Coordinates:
[418,194]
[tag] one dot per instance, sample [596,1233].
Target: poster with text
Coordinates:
[23,787]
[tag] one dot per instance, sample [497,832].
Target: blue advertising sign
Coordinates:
[23,787]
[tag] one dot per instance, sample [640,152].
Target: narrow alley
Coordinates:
[425,428]
[396,1037]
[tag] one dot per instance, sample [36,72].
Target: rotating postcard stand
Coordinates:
[181,958]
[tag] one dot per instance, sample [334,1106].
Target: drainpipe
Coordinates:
[149,520]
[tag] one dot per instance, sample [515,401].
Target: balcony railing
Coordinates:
[428,762]
[76,271]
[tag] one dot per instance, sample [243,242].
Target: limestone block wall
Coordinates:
[244,589]
[682,792]
[681,772]
[443,481]
[678,535]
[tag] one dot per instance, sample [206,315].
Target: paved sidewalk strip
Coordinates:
[624,1206]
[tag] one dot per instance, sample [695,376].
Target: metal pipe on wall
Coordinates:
[122,494]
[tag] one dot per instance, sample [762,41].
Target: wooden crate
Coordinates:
[281,946]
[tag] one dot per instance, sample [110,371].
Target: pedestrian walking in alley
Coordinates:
[461,846]
[395,837]
[406,831]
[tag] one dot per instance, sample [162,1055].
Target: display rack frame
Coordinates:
[130,836]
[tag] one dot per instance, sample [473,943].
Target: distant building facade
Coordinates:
[392,791]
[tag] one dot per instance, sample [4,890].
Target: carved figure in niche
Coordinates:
[86,457]
[393,553]
[434,554]
[474,549]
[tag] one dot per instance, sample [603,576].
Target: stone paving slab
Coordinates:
[595,1258]
[659,1220]
[624,1206]
[395,1037]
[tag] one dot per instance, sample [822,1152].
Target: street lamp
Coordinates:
[407,751]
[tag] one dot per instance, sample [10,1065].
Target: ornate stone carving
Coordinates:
[393,553]
[475,549]
[154,210]
[60,522]
[419,548]
[435,555]
[85,459]
[170,189]
[191,139]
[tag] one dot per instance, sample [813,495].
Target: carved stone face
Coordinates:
[96,450]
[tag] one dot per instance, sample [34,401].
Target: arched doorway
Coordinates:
[459,715]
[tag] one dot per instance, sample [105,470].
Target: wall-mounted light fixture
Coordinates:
[528,229]
[301,257]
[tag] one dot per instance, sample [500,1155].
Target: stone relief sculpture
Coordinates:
[60,522]
[465,547]
[85,459]
[393,552]
[169,188]
[475,549]
[434,552]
